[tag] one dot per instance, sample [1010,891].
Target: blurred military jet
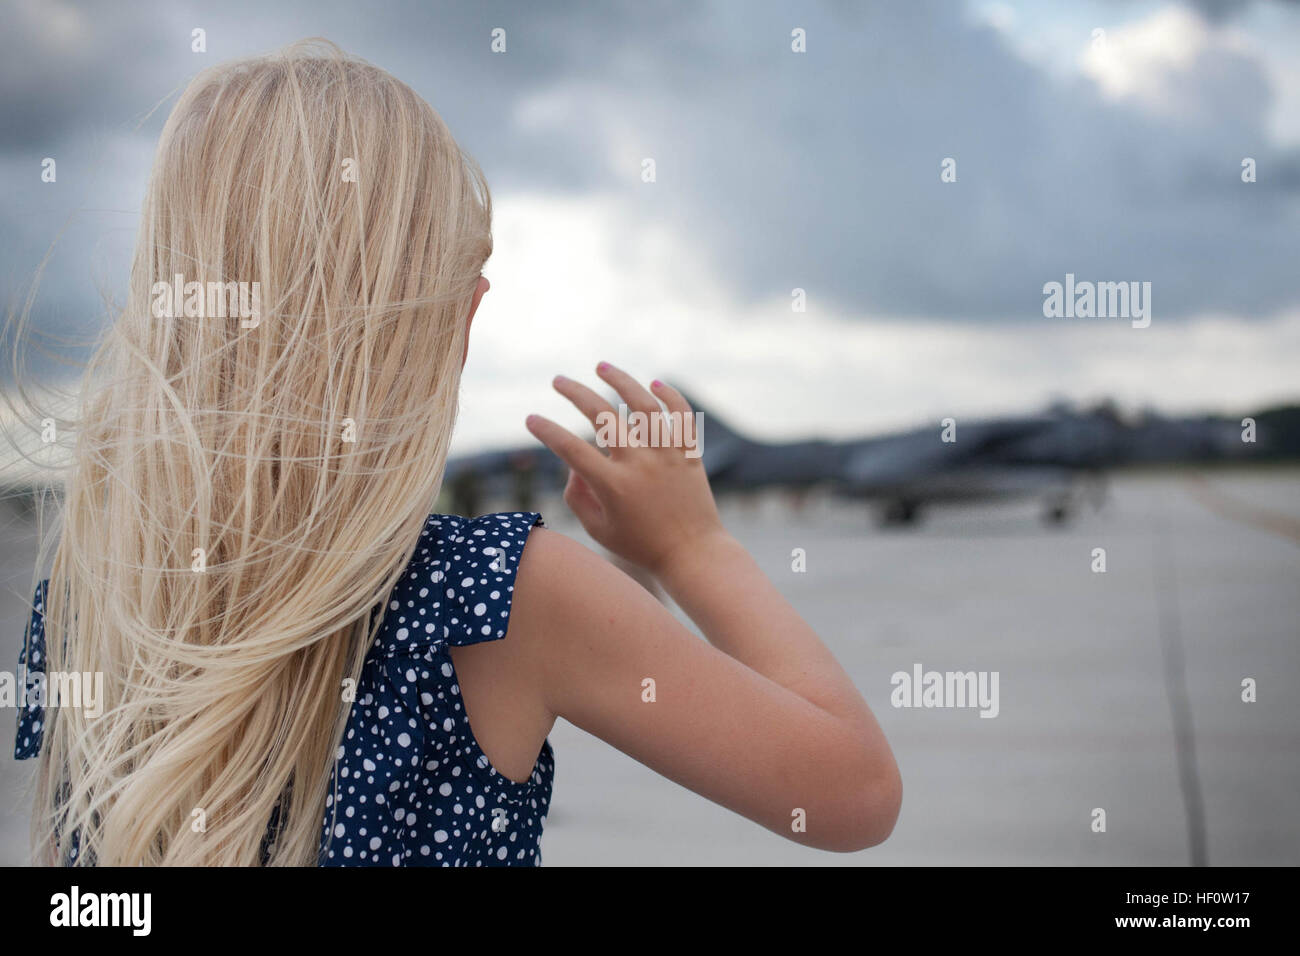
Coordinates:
[1059,457]
[901,472]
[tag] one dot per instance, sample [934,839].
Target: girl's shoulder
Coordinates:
[458,587]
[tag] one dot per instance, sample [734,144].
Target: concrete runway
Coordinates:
[1211,569]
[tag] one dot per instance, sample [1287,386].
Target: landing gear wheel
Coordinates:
[900,512]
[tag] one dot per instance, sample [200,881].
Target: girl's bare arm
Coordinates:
[762,719]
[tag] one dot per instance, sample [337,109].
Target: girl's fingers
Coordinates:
[670,397]
[631,391]
[582,500]
[589,463]
[682,419]
[583,398]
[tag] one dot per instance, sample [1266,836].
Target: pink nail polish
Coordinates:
[602,366]
[656,384]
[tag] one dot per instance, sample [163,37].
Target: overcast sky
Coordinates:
[1115,156]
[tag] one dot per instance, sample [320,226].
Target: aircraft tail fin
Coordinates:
[715,428]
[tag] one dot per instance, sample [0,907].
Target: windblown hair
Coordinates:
[243,495]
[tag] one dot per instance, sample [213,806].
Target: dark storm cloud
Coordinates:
[818,170]
[1221,10]
[822,171]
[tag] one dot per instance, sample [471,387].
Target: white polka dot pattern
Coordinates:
[412,786]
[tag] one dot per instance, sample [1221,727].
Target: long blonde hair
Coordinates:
[244,493]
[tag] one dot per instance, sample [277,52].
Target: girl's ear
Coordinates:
[483,286]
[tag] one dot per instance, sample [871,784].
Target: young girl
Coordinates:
[300,664]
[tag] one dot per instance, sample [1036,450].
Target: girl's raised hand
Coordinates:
[648,499]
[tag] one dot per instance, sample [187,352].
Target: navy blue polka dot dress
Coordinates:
[411,785]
